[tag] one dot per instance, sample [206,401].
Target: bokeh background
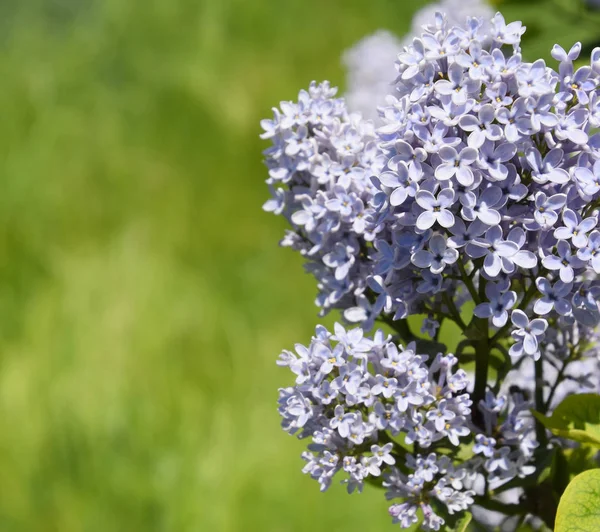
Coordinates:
[143,297]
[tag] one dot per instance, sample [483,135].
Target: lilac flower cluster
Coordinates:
[353,392]
[320,166]
[491,170]
[487,163]
[506,446]
[481,187]
[431,477]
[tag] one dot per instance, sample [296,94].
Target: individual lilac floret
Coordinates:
[499,305]
[546,208]
[527,333]
[591,252]
[438,256]
[547,169]
[435,209]
[485,207]
[456,164]
[587,180]
[553,297]
[565,262]
[574,230]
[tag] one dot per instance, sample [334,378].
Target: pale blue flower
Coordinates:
[565,262]
[456,164]
[574,229]
[437,257]
[545,208]
[553,297]
[498,306]
[435,209]
[527,333]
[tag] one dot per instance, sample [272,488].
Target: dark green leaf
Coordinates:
[560,472]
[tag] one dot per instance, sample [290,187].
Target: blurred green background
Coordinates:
[143,297]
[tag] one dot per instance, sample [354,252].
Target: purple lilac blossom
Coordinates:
[353,392]
[480,184]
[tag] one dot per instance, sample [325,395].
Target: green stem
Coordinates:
[482,360]
[403,329]
[453,311]
[468,282]
[540,430]
[399,326]
[505,366]
[573,356]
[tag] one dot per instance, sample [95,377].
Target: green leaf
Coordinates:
[528,527]
[580,459]
[463,523]
[579,507]
[576,418]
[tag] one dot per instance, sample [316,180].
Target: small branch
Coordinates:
[482,359]
[468,282]
[540,430]
[554,388]
[399,326]
[454,311]
[559,378]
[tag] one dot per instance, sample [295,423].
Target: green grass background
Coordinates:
[143,297]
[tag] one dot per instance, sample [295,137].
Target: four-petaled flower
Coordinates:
[498,305]
[553,297]
[527,334]
[435,209]
[574,230]
[437,257]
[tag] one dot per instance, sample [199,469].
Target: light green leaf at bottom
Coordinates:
[579,507]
